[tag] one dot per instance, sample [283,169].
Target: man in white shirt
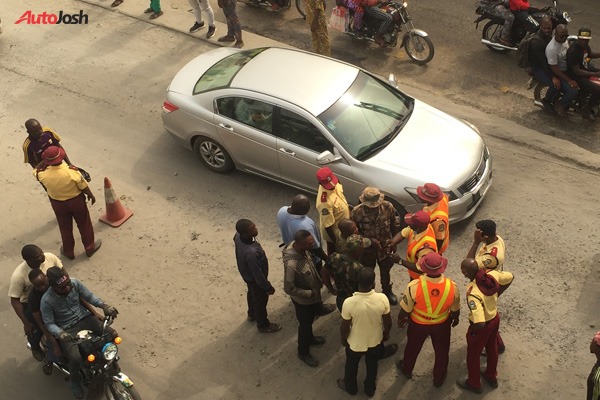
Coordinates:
[556,53]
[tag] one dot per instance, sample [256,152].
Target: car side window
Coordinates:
[297,129]
[254,113]
[226,107]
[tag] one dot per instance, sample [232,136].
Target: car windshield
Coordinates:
[368,116]
[221,74]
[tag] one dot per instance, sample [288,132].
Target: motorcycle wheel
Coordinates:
[300,6]
[539,92]
[490,32]
[117,391]
[419,48]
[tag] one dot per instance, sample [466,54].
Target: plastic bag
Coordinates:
[338,18]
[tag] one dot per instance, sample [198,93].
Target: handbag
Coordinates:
[338,18]
[85,174]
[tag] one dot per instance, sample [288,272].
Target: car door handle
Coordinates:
[286,151]
[228,127]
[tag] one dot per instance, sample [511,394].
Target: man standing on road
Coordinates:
[346,266]
[377,220]
[294,218]
[539,63]
[316,19]
[431,305]
[68,191]
[253,265]
[203,5]
[64,316]
[482,298]
[20,287]
[436,205]
[39,139]
[556,53]
[332,206]
[303,284]
[421,240]
[579,68]
[366,324]
[234,29]
[593,381]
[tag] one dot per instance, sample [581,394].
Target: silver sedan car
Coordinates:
[283,114]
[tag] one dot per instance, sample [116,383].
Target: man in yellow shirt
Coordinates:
[482,298]
[436,205]
[332,206]
[421,241]
[67,190]
[431,305]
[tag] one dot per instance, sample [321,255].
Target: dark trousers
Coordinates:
[440,338]
[71,349]
[66,211]
[233,21]
[385,19]
[478,340]
[589,87]
[523,18]
[339,300]
[351,369]
[36,334]
[305,313]
[545,77]
[257,305]
[370,258]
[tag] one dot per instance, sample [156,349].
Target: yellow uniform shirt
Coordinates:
[416,237]
[61,182]
[482,308]
[408,300]
[332,207]
[491,256]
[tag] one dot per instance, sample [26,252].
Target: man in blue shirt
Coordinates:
[64,316]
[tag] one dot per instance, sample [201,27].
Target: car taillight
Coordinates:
[169,107]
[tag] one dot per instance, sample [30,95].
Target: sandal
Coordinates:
[116,3]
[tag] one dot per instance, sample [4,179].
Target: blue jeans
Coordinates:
[569,93]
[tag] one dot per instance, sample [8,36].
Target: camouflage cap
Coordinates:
[354,242]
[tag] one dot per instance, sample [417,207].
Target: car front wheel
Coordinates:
[213,155]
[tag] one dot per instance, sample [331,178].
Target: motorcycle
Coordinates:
[539,92]
[493,28]
[99,371]
[416,42]
[282,5]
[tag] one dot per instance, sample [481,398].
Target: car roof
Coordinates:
[308,80]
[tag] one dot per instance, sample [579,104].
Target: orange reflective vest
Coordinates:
[414,246]
[441,212]
[432,301]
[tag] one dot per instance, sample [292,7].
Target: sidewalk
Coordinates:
[177,17]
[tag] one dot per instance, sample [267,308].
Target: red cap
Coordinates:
[433,263]
[430,192]
[326,178]
[53,155]
[419,219]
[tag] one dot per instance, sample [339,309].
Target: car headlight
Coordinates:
[405,4]
[110,351]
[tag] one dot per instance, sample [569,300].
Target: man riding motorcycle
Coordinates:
[65,316]
[385,20]
[539,63]
[499,9]
[580,69]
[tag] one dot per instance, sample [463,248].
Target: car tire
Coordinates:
[213,155]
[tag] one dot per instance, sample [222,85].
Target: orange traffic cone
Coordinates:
[116,214]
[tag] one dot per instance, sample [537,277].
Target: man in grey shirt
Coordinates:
[64,316]
[556,53]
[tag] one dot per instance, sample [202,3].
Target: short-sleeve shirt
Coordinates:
[289,224]
[332,207]
[33,150]
[483,308]
[578,56]
[20,287]
[61,181]
[365,310]
[491,256]
[556,53]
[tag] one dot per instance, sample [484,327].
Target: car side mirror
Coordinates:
[392,80]
[327,157]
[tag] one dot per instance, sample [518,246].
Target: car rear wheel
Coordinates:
[213,155]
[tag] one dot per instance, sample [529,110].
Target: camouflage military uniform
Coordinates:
[345,271]
[380,223]
[320,38]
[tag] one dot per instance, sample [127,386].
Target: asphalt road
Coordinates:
[101,87]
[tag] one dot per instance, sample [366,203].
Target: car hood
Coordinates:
[432,147]
[188,76]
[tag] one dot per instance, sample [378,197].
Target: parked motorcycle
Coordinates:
[416,42]
[283,5]
[493,28]
[99,371]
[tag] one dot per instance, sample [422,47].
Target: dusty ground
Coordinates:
[171,271]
